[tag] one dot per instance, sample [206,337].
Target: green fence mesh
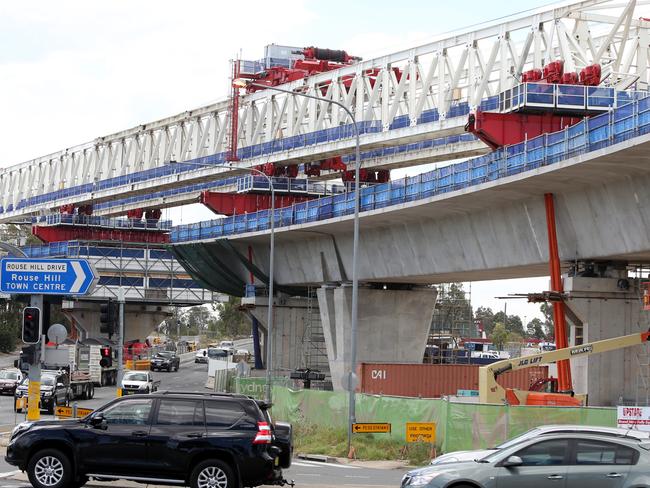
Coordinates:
[459,426]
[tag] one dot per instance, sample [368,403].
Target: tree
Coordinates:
[232,322]
[512,323]
[453,312]
[535,328]
[486,316]
[549,326]
[499,335]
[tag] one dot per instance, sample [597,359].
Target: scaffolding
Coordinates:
[314,338]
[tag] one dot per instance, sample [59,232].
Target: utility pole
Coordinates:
[34,390]
[120,341]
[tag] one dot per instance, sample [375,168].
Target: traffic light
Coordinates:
[32,325]
[107,358]
[107,317]
[27,357]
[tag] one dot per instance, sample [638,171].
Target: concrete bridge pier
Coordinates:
[602,307]
[140,320]
[393,325]
[297,332]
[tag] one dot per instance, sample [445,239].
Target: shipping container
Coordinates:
[436,380]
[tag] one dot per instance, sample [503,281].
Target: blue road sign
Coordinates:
[46,276]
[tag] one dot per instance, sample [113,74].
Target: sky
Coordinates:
[73,70]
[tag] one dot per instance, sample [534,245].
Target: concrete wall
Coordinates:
[604,310]
[393,326]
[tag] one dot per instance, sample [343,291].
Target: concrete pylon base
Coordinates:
[139,320]
[294,320]
[602,308]
[393,326]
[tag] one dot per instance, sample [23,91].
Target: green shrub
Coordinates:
[8,339]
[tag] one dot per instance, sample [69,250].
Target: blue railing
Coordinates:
[258,150]
[457,109]
[103,222]
[604,130]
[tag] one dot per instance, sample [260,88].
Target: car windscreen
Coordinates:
[8,375]
[48,380]
[135,377]
[529,434]
[164,354]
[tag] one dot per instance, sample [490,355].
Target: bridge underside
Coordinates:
[496,231]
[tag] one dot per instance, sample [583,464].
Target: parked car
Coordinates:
[167,360]
[138,382]
[10,378]
[201,356]
[462,456]
[197,439]
[565,460]
[55,391]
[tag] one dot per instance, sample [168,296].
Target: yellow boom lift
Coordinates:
[491,392]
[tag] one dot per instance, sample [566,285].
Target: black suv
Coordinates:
[165,360]
[198,439]
[55,391]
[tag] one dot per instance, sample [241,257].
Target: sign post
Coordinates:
[39,277]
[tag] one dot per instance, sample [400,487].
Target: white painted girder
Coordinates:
[465,66]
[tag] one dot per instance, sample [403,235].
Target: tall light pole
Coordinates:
[269,318]
[355,245]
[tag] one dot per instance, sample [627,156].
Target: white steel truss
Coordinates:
[462,67]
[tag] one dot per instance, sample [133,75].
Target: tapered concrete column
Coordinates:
[291,322]
[602,308]
[393,326]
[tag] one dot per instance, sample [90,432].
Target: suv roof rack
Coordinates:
[201,393]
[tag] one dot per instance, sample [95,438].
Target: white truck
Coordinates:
[96,360]
[138,382]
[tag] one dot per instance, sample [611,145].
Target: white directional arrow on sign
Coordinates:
[79,280]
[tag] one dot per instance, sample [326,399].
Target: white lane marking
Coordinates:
[7,474]
[318,463]
[310,474]
[354,476]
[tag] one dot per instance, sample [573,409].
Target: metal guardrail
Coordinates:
[103,222]
[625,122]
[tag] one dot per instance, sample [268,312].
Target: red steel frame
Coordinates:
[565,383]
[74,233]
[498,130]
[240,203]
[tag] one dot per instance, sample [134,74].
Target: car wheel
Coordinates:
[212,473]
[91,391]
[50,408]
[49,468]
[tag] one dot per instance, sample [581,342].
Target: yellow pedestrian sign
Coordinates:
[421,432]
[66,412]
[371,428]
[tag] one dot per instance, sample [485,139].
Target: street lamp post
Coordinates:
[355,245]
[269,319]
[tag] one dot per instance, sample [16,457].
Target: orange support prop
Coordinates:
[563,367]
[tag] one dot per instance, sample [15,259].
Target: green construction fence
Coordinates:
[459,425]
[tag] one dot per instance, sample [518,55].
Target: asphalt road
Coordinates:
[192,377]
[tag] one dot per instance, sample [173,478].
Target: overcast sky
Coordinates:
[71,71]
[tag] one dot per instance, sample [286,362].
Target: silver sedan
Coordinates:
[558,461]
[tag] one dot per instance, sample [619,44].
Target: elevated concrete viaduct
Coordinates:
[491,231]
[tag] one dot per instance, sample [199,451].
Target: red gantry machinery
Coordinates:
[519,119]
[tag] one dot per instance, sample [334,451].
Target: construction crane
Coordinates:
[491,392]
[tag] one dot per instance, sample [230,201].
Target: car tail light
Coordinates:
[263,435]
